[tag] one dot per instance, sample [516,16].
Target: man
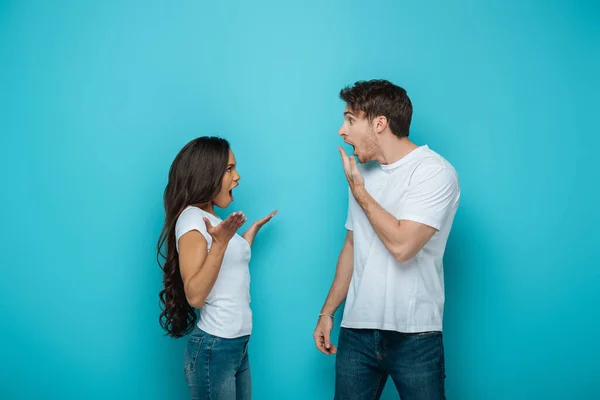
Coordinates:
[402,202]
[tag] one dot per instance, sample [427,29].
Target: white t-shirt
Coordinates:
[385,294]
[226,311]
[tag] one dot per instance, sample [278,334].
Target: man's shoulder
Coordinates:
[431,157]
[431,163]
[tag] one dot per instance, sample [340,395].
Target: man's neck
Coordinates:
[393,149]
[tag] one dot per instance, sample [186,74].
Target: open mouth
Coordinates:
[231,192]
[353,148]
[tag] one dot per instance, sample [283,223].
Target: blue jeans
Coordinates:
[366,357]
[217,368]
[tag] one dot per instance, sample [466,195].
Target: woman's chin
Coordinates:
[224,203]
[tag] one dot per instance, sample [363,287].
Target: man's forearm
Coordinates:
[341,282]
[385,225]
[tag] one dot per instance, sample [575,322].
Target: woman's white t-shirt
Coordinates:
[226,311]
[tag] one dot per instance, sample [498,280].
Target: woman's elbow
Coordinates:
[195,301]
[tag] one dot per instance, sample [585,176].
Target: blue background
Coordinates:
[96,98]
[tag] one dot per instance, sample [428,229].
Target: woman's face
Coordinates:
[230,181]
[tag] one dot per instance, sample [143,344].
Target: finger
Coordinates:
[267,218]
[327,342]
[272,214]
[320,343]
[238,215]
[237,222]
[345,161]
[354,167]
[227,221]
[231,220]
[323,350]
[209,226]
[333,349]
[344,156]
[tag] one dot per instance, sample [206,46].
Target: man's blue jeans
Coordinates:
[366,357]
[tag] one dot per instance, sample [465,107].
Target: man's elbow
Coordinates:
[403,254]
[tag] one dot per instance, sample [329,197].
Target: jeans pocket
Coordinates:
[191,353]
[245,351]
[426,334]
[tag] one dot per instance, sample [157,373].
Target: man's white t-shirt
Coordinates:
[226,311]
[409,296]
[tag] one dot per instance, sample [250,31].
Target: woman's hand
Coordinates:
[223,232]
[250,234]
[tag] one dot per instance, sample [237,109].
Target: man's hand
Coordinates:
[353,175]
[250,234]
[322,335]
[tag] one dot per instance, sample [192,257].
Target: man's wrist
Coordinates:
[361,195]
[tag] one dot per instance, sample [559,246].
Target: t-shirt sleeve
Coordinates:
[433,195]
[349,225]
[191,220]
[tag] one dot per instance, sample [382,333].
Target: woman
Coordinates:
[206,267]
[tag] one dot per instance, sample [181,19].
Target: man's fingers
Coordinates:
[320,343]
[344,158]
[347,164]
[323,350]
[209,226]
[354,168]
[327,342]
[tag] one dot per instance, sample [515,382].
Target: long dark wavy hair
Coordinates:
[195,178]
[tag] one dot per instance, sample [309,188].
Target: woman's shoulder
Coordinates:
[196,212]
[193,215]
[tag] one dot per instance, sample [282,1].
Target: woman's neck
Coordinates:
[209,208]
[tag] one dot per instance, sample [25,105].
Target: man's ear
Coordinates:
[380,123]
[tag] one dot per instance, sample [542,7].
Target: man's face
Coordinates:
[358,132]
